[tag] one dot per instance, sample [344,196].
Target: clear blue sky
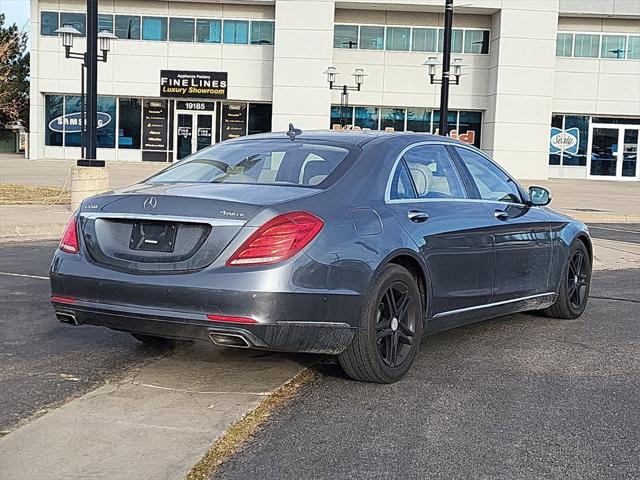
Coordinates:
[16,11]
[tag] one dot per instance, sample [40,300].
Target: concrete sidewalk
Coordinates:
[156,424]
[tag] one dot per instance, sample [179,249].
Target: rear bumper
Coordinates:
[284,336]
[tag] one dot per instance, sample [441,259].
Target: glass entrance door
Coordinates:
[194,131]
[614,152]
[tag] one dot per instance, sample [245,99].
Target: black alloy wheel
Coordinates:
[387,339]
[577,277]
[395,328]
[575,284]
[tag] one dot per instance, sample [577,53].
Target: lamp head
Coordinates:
[431,62]
[457,67]
[104,39]
[331,73]
[67,33]
[359,75]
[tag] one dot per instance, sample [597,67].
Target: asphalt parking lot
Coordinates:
[43,362]
[519,397]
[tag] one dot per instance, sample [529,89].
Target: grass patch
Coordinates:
[14,194]
[245,428]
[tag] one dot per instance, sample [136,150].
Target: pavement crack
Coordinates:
[615,299]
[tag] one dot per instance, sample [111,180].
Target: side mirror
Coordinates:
[539,196]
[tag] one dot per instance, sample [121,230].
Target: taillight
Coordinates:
[69,242]
[58,299]
[278,239]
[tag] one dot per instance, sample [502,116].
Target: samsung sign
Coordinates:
[72,122]
[189,84]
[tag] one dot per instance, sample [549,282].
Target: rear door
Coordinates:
[522,232]
[430,200]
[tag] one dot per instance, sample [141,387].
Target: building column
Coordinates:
[36,100]
[521,76]
[303,50]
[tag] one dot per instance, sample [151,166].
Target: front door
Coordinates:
[614,152]
[522,234]
[194,131]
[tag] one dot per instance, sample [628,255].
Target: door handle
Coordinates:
[501,215]
[417,216]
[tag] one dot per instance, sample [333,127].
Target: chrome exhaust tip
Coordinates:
[65,317]
[224,339]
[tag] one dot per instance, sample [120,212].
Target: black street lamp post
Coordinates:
[446,69]
[358,74]
[90,58]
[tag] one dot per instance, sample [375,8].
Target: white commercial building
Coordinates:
[550,88]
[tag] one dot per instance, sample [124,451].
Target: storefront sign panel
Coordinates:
[72,122]
[192,84]
[234,120]
[155,127]
[566,141]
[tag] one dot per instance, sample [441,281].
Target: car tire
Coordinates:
[575,283]
[388,337]
[159,343]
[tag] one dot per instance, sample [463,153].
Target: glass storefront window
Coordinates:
[614,46]
[48,23]
[366,117]
[345,36]
[154,28]
[181,29]
[633,49]
[129,123]
[262,33]
[54,121]
[127,27]
[208,31]
[105,22]
[564,45]
[371,38]
[452,120]
[556,122]
[341,116]
[392,118]
[72,127]
[587,45]
[106,122]
[399,39]
[418,120]
[470,127]
[456,40]
[75,20]
[425,40]
[259,118]
[236,32]
[476,41]
[582,124]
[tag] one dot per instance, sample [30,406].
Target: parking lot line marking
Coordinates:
[24,275]
[613,229]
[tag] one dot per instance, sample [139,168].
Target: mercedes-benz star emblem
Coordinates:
[150,203]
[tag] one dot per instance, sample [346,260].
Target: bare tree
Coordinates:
[14,75]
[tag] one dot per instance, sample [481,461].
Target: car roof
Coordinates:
[351,137]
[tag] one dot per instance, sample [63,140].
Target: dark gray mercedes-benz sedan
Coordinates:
[354,244]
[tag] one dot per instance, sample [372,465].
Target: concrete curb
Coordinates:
[49,231]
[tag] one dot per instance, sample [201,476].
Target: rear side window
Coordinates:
[492,183]
[259,163]
[433,172]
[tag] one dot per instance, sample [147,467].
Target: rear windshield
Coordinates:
[259,163]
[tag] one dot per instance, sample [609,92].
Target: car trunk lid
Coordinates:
[175,228]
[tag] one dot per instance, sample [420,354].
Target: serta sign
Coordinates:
[566,141]
[72,122]
[202,85]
